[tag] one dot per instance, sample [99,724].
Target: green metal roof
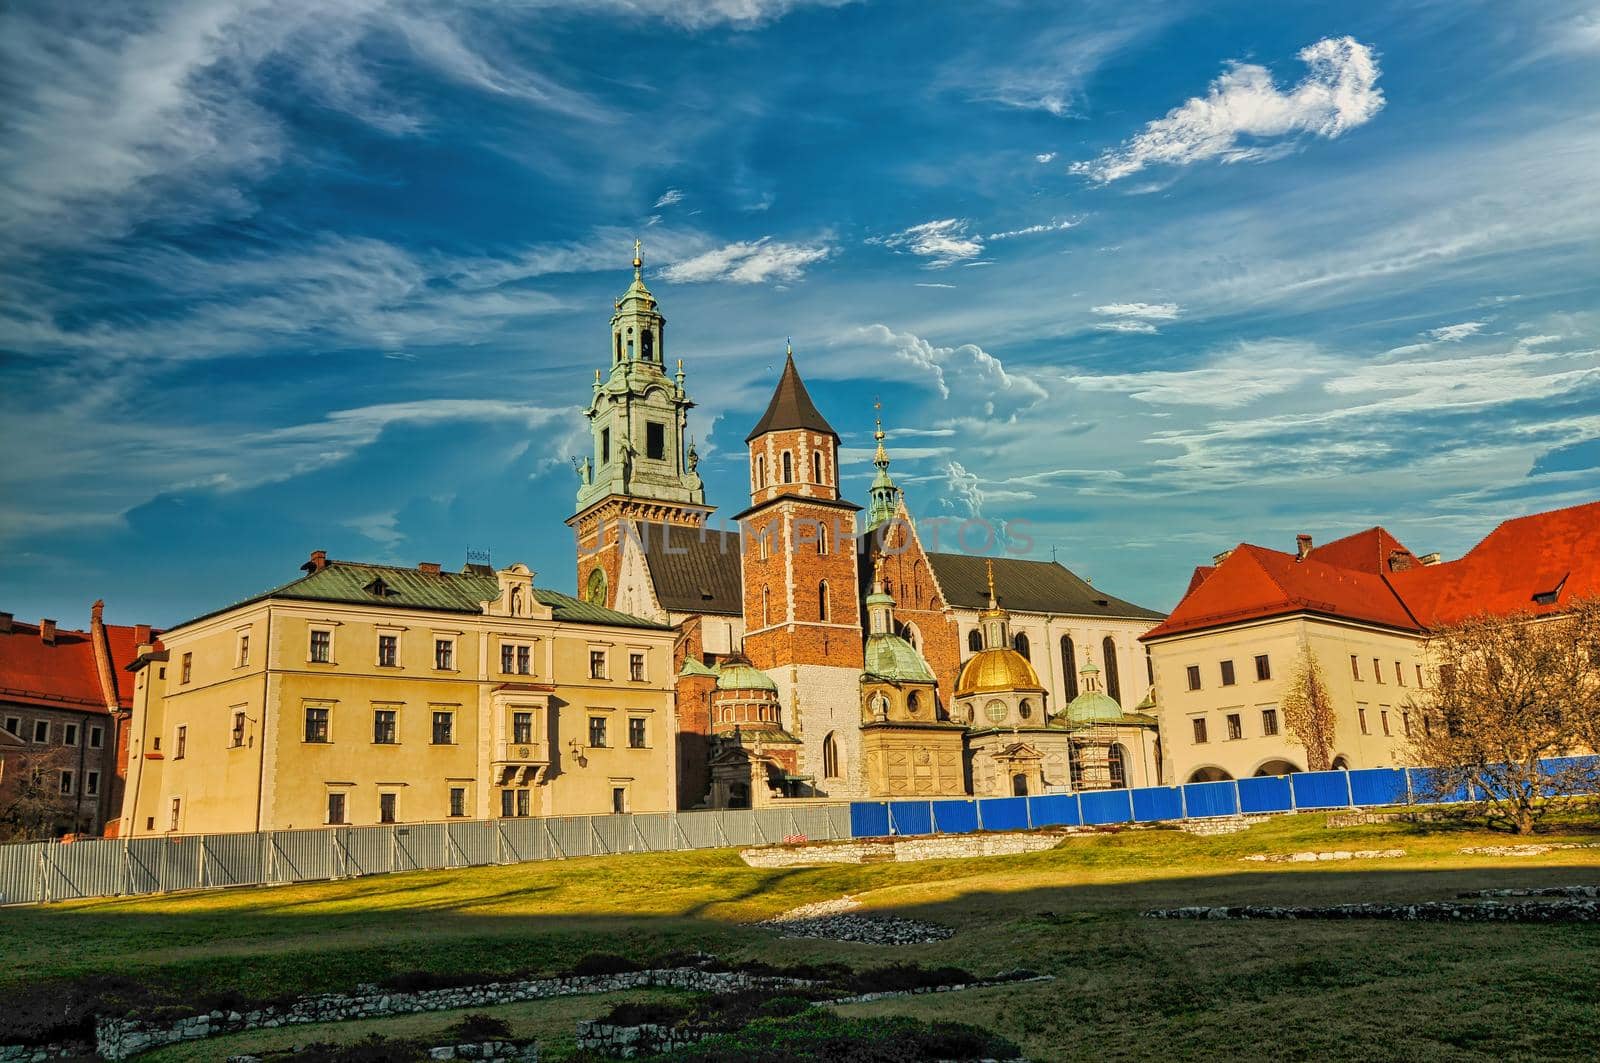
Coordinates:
[892,657]
[741,675]
[445,592]
[1092,707]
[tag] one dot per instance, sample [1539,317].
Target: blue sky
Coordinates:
[1153,278]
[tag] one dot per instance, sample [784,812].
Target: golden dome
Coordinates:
[997,669]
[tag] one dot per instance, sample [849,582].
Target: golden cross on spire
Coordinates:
[988,565]
[637,261]
[877,405]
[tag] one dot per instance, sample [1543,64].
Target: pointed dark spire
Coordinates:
[791,406]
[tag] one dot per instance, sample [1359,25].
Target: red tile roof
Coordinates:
[64,674]
[1371,577]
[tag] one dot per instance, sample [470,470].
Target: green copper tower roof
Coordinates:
[893,658]
[883,495]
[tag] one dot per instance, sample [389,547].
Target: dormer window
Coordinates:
[379,588]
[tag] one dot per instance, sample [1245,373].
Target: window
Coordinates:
[1024,708]
[974,640]
[522,802]
[1405,724]
[1227,673]
[1399,676]
[177,809]
[238,728]
[647,345]
[1269,722]
[316,724]
[1427,726]
[386,803]
[1419,676]
[321,647]
[96,736]
[655,439]
[181,743]
[388,650]
[1069,666]
[1117,761]
[619,800]
[444,654]
[1019,642]
[1355,668]
[1263,667]
[188,667]
[14,725]
[1383,718]
[788,468]
[69,734]
[1113,680]
[766,606]
[244,650]
[605,446]
[444,726]
[636,732]
[41,731]
[822,601]
[597,732]
[761,470]
[1377,671]
[458,801]
[1235,728]
[336,808]
[1361,717]
[524,660]
[597,664]
[522,727]
[1199,732]
[66,782]
[816,466]
[508,802]
[383,727]
[636,667]
[822,539]
[830,757]
[1194,676]
[508,658]
[91,783]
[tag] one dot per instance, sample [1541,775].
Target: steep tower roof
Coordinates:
[791,405]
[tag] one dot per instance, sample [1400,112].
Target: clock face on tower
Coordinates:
[996,711]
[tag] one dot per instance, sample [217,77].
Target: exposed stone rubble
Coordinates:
[1548,891]
[119,1039]
[1526,850]
[1574,911]
[905,849]
[1223,824]
[832,921]
[1337,854]
[1367,819]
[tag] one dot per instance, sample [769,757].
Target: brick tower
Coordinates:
[641,470]
[801,606]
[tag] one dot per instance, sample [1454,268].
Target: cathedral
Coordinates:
[821,651]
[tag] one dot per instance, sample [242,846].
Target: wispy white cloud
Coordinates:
[1034,230]
[749,262]
[1143,327]
[1244,114]
[1457,333]
[1147,311]
[943,242]
[932,284]
[1236,377]
[668,198]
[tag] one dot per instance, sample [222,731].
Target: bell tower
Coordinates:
[642,467]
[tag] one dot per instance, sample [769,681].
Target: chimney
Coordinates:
[47,632]
[1217,559]
[97,614]
[141,634]
[1302,546]
[5,623]
[1399,560]
[318,562]
[430,568]
[1430,559]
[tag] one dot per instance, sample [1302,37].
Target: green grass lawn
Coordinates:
[1124,986]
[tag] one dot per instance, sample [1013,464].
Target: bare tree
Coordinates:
[1307,706]
[31,802]
[1513,711]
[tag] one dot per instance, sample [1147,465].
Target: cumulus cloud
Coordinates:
[1457,333]
[668,198]
[1044,157]
[967,372]
[1246,117]
[749,262]
[943,242]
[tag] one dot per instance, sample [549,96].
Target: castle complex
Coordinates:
[821,650]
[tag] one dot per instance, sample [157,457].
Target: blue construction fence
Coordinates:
[1304,791]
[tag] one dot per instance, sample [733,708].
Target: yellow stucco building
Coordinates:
[367,694]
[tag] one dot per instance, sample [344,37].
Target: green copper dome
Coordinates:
[1091,707]
[742,675]
[892,657]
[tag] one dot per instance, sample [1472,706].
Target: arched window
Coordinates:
[822,600]
[788,467]
[830,757]
[1069,666]
[1117,758]
[822,537]
[761,471]
[1019,785]
[618,338]
[766,606]
[1019,642]
[647,345]
[1113,683]
[974,640]
[816,466]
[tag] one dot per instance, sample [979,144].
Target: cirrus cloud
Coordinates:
[749,262]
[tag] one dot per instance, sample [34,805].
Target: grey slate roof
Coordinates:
[694,570]
[791,407]
[1028,587]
